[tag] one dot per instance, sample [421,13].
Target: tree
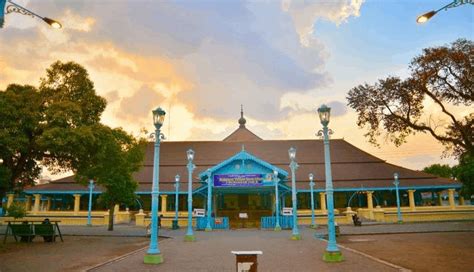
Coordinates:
[442,75]
[395,107]
[116,156]
[440,170]
[34,120]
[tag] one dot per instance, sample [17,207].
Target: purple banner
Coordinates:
[238,180]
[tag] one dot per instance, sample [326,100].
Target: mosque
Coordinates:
[241,169]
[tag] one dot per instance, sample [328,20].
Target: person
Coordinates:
[159,220]
[26,238]
[47,238]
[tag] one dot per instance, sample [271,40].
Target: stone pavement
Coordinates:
[212,252]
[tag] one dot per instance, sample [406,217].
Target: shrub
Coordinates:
[16,211]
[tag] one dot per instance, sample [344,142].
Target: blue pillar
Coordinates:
[332,254]
[189,237]
[295,235]
[153,255]
[176,202]
[277,204]
[396,183]
[209,202]
[89,211]
[2,12]
[311,186]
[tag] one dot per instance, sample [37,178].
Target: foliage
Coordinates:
[36,122]
[16,210]
[442,76]
[115,157]
[465,173]
[440,170]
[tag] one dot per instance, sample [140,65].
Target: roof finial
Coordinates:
[243,147]
[242,120]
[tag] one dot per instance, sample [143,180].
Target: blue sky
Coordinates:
[201,59]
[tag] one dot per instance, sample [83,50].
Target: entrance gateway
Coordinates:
[243,189]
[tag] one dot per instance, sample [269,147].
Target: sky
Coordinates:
[200,60]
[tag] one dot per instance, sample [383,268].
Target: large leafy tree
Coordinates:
[35,121]
[440,170]
[396,107]
[110,158]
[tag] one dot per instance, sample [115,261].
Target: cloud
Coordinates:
[138,105]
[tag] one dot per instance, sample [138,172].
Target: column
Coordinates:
[164,202]
[48,204]
[322,198]
[461,200]
[451,198]
[77,202]
[370,203]
[11,197]
[36,207]
[440,199]
[411,199]
[28,203]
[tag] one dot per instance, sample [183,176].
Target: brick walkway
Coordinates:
[211,252]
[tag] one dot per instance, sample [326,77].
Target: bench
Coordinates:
[24,231]
[27,230]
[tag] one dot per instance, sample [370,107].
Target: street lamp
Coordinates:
[277,201]
[293,166]
[13,7]
[311,186]
[176,202]
[153,255]
[425,17]
[91,187]
[396,183]
[332,254]
[209,199]
[189,237]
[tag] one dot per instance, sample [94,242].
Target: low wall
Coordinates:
[74,218]
[424,214]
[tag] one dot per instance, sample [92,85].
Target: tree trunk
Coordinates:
[111,217]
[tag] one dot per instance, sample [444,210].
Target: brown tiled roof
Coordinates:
[351,167]
[242,134]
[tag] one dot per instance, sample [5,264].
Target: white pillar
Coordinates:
[370,203]
[411,199]
[77,203]
[164,202]
[11,197]
[322,198]
[36,207]
[451,198]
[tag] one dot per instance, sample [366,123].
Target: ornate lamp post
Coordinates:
[89,211]
[277,201]
[13,7]
[209,202]
[176,202]
[425,17]
[332,254]
[311,187]
[396,183]
[293,166]
[153,255]
[189,237]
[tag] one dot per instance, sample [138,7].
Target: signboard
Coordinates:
[243,215]
[239,180]
[287,211]
[199,212]
[218,220]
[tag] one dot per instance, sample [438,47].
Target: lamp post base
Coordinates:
[89,225]
[189,238]
[296,237]
[400,222]
[333,257]
[313,226]
[277,228]
[153,259]
[208,229]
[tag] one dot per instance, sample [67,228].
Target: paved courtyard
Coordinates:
[444,246]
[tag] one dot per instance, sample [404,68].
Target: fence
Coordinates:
[216,223]
[268,222]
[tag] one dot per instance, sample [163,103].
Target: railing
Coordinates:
[216,223]
[268,222]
